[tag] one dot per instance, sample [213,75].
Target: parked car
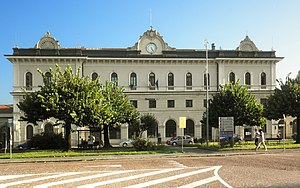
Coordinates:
[177,140]
[126,143]
[226,140]
[23,145]
[227,136]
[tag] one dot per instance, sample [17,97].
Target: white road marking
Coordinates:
[39,179]
[200,182]
[7,177]
[149,183]
[99,166]
[220,179]
[82,178]
[208,180]
[129,178]
[177,164]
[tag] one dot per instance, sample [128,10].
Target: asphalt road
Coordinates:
[255,170]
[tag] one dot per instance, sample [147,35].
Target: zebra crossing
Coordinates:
[118,178]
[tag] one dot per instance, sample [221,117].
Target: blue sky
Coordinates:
[119,23]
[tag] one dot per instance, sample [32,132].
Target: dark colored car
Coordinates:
[23,146]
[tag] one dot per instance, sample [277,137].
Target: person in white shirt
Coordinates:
[257,135]
[261,140]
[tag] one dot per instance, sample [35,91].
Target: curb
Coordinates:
[203,153]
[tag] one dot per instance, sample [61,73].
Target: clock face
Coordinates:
[47,45]
[151,47]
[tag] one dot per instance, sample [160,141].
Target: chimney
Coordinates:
[213,47]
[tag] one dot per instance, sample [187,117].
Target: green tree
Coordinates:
[68,97]
[116,109]
[148,123]
[234,100]
[285,100]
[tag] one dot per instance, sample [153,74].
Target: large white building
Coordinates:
[158,79]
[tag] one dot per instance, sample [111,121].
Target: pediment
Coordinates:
[247,45]
[151,38]
[47,42]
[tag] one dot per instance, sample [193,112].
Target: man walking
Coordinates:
[261,140]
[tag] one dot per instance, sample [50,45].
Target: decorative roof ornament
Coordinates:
[247,45]
[48,42]
[151,36]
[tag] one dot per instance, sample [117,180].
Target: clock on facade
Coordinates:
[47,45]
[151,47]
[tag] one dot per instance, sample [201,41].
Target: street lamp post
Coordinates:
[206,83]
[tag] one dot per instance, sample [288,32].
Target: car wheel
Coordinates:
[125,145]
[174,144]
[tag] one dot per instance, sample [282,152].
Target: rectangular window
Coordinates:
[152,103]
[189,103]
[171,104]
[134,103]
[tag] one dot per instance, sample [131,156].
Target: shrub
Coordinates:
[142,144]
[294,136]
[47,141]
[199,140]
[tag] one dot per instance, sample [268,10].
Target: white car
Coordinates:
[177,140]
[126,143]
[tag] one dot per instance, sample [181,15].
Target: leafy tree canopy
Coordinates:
[285,100]
[116,109]
[148,122]
[68,97]
[234,100]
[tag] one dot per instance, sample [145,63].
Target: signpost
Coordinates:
[182,125]
[226,127]
[10,126]
[283,136]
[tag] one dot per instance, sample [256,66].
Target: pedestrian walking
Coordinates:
[257,135]
[261,140]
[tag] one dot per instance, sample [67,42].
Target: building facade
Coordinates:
[158,79]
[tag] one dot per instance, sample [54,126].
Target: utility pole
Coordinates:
[206,83]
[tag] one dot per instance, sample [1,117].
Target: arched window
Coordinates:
[49,128]
[114,78]
[151,81]
[189,80]
[94,76]
[170,128]
[248,79]
[170,81]
[190,128]
[232,78]
[29,132]
[133,81]
[208,81]
[48,77]
[28,80]
[263,80]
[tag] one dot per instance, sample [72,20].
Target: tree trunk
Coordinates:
[298,129]
[106,139]
[67,137]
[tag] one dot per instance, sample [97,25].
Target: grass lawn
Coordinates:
[31,153]
[288,144]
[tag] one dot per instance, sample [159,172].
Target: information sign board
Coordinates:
[226,126]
